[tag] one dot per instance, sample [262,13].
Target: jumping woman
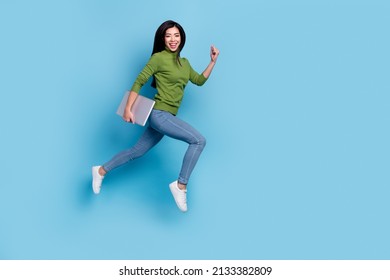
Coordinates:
[171,73]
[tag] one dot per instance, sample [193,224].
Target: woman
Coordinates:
[170,74]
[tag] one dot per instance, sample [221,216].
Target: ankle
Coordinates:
[181,186]
[101,171]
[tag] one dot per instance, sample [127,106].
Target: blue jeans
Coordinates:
[164,123]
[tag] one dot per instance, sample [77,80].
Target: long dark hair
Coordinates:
[159,43]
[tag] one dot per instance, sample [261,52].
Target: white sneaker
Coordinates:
[179,195]
[96,179]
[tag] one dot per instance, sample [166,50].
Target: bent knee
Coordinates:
[201,141]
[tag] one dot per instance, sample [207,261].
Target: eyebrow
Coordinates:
[173,33]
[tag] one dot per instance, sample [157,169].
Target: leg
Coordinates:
[174,127]
[147,141]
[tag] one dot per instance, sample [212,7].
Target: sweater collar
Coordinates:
[170,52]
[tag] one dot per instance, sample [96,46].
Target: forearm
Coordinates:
[130,100]
[206,73]
[214,53]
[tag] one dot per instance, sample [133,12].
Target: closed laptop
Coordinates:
[141,109]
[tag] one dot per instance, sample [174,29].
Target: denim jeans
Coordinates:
[164,123]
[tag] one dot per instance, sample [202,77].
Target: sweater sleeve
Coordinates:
[149,69]
[196,78]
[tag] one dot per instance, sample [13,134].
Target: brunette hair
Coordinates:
[159,43]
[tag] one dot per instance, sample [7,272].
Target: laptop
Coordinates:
[141,109]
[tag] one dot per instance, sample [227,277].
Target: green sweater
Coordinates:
[171,79]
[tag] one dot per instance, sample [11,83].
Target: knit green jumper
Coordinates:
[171,79]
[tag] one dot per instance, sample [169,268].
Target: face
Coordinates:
[172,39]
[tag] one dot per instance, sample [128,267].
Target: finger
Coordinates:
[215,51]
[212,49]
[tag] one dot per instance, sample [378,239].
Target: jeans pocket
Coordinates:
[157,119]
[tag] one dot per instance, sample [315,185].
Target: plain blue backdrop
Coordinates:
[296,114]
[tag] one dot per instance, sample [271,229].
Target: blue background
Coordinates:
[296,116]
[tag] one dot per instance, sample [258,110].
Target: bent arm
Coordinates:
[149,69]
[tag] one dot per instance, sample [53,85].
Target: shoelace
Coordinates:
[183,195]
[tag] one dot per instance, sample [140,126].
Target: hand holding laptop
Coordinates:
[128,116]
[140,110]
